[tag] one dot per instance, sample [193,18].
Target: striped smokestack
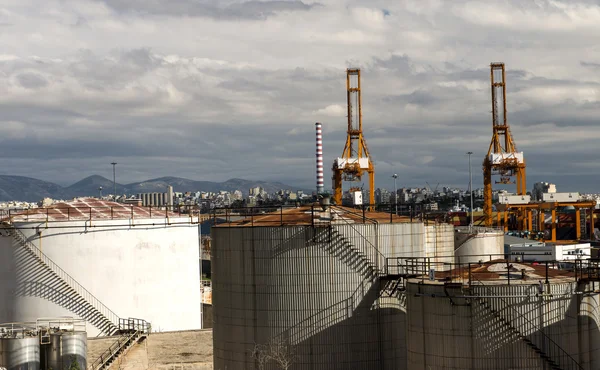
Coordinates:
[320,187]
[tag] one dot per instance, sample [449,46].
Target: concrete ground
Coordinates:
[180,350]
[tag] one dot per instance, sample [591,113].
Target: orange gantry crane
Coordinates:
[502,158]
[355,160]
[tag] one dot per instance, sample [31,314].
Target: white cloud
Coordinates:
[208,84]
[334,110]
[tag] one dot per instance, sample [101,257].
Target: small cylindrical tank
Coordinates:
[20,353]
[66,348]
[478,244]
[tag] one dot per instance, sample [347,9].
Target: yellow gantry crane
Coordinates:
[355,160]
[502,158]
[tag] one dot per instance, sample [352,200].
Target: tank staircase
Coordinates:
[42,277]
[132,331]
[519,326]
[364,258]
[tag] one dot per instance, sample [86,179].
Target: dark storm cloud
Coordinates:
[243,10]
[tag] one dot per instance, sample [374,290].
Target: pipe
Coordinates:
[496,296]
[320,187]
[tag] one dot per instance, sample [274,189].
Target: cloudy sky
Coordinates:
[211,90]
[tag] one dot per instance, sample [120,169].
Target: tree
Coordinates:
[275,350]
[74,363]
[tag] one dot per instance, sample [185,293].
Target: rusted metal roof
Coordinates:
[94,209]
[498,271]
[302,215]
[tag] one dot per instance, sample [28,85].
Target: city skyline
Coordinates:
[212,92]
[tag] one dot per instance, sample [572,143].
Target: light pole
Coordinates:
[114,182]
[471,188]
[395,176]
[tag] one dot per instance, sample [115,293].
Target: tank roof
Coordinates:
[498,272]
[302,215]
[88,208]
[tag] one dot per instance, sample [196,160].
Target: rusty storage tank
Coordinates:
[497,323]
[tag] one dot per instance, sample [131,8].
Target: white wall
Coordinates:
[148,272]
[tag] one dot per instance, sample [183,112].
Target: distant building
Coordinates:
[541,188]
[157,199]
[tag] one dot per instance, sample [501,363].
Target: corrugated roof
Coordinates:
[90,208]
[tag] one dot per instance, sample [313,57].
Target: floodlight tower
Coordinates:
[355,160]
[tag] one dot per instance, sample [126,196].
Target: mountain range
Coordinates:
[28,189]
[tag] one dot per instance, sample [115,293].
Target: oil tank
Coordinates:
[307,289]
[20,353]
[66,348]
[478,243]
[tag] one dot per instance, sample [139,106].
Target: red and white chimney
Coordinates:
[320,187]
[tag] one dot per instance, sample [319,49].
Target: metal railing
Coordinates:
[133,324]
[467,272]
[372,254]
[345,308]
[131,329]
[527,329]
[90,213]
[109,315]
[266,215]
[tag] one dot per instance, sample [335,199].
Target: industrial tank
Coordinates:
[65,348]
[310,291]
[90,259]
[474,244]
[20,353]
[494,325]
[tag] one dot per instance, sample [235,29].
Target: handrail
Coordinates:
[378,265]
[363,216]
[113,349]
[533,326]
[344,304]
[92,212]
[348,304]
[69,280]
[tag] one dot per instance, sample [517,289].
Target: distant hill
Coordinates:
[29,189]
[90,185]
[32,190]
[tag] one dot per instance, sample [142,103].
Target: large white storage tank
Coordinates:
[101,261]
[474,244]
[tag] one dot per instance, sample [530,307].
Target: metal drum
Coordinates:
[20,353]
[66,348]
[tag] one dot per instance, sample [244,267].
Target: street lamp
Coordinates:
[395,176]
[114,182]
[471,188]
